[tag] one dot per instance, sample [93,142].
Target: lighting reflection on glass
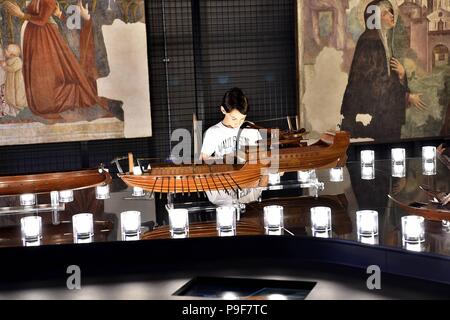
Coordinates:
[27,199]
[372,240]
[83,240]
[138,192]
[179,222]
[276,296]
[226,219]
[413,229]
[336,174]
[102,192]
[398,170]
[321,219]
[446,224]
[83,225]
[306,176]
[429,161]
[230,296]
[278,232]
[398,162]
[137,171]
[398,154]
[66,196]
[367,222]
[31,228]
[54,199]
[131,238]
[130,223]
[274,178]
[231,233]
[273,218]
[429,169]
[321,234]
[36,243]
[367,164]
[416,247]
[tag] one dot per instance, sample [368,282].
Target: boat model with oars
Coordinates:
[293,155]
[56,181]
[436,208]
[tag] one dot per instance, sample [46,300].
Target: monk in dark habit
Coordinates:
[55,80]
[377,85]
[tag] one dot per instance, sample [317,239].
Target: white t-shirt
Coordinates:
[221,140]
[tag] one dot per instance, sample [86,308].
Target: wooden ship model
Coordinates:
[437,208]
[56,181]
[293,154]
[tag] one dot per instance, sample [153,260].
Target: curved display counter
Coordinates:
[106,254]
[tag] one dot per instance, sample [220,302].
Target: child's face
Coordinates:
[234,118]
[8,54]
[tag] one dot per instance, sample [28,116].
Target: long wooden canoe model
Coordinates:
[293,155]
[437,208]
[57,181]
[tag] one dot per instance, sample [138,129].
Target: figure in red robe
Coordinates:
[55,81]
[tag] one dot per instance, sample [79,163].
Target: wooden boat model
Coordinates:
[57,181]
[437,208]
[329,151]
[195,178]
[293,155]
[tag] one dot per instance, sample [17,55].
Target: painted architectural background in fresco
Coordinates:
[420,41]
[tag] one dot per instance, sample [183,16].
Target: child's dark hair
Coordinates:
[235,99]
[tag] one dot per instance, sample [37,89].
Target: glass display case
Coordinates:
[363,220]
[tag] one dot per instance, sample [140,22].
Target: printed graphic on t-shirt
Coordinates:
[229,144]
[220,140]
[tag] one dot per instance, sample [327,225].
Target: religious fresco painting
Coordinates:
[73,70]
[382,84]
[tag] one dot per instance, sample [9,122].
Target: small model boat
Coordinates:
[329,152]
[437,208]
[57,181]
[293,155]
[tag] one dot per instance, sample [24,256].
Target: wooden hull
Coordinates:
[201,230]
[201,178]
[429,211]
[47,182]
[328,152]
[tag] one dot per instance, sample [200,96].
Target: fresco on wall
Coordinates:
[382,84]
[73,70]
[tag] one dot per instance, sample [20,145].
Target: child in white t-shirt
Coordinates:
[220,139]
